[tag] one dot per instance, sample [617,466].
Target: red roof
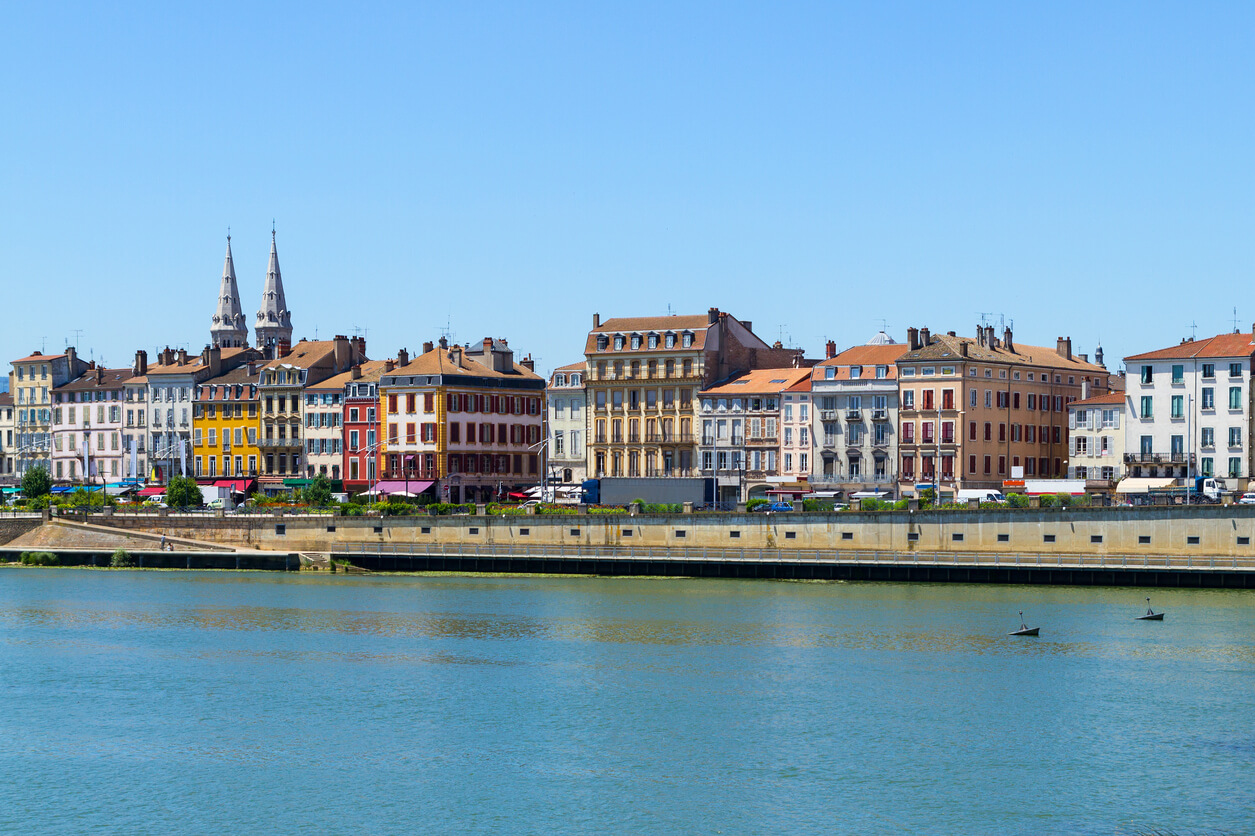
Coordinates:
[1115,398]
[1221,345]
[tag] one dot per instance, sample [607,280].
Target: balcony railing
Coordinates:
[854,415]
[1159,458]
[880,415]
[279,442]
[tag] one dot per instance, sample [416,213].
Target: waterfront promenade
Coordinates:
[1119,546]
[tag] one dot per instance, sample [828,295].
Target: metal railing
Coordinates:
[683,554]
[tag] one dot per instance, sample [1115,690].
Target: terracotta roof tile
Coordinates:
[945,347]
[372,371]
[760,382]
[1115,398]
[1221,345]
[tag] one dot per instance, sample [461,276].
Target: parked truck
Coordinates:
[668,489]
[1202,490]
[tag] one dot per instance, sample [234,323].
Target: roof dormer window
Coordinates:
[636,341]
[603,343]
[618,343]
[653,340]
[670,341]
[688,339]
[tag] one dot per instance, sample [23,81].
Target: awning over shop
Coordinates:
[11,490]
[1139,485]
[63,489]
[519,495]
[398,486]
[789,491]
[297,483]
[236,485]
[154,490]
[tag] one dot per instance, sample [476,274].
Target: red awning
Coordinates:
[517,495]
[236,485]
[155,490]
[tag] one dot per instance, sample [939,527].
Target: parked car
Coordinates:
[1247,498]
[775,506]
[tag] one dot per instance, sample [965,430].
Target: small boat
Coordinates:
[1024,630]
[1151,615]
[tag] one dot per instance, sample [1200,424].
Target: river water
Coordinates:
[206,702]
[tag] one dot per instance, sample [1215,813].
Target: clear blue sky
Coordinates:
[1085,169]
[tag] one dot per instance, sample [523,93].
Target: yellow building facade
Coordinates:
[226,421]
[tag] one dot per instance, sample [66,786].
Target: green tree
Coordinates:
[36,483]
[183,492]
[318,492]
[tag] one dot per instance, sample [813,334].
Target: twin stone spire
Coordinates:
[274,322]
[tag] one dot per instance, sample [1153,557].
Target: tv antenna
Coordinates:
[1193,329]
[78,336]
[670,312]
[984,316]
[1235,319]
[43,345]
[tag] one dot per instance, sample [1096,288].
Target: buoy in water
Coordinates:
[1024,630]
[1151,615]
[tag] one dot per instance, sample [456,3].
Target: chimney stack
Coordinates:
[1006,339]
[182,357]
[712,316]
[213,359]
[749,326]
[285,347]
[925,337]
[355,373]
[429,347]
[443,343]
[963,347]
[141,363]
[912,338]
[777,344]
[980,335]
[252,368]
[830,350]
[72,355]
[528,363]
[596,321]
[389,365]
[990,340]
[403,357]
[1084,358]
[1063,345]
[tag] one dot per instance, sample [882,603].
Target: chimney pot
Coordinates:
[712,316]
[925,337]
[596,321]
[912,338]
[403,357]
[429,347]
[830,350]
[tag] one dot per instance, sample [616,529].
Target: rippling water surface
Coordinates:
[169,702]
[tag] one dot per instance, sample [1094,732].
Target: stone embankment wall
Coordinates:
[13,528]
[1193,531]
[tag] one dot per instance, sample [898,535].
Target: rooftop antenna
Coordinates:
[78,335]
[1235,320]
[984,316]
[1193,329]
[43,345]
[447,330]
[884,325]
[670,312]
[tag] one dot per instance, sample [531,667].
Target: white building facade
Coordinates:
[1189,410]
[855,423]
[568,429]
[1096,441]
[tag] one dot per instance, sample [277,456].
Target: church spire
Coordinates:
[229,329]
[274,322]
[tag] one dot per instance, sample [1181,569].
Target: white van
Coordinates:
[983,495]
